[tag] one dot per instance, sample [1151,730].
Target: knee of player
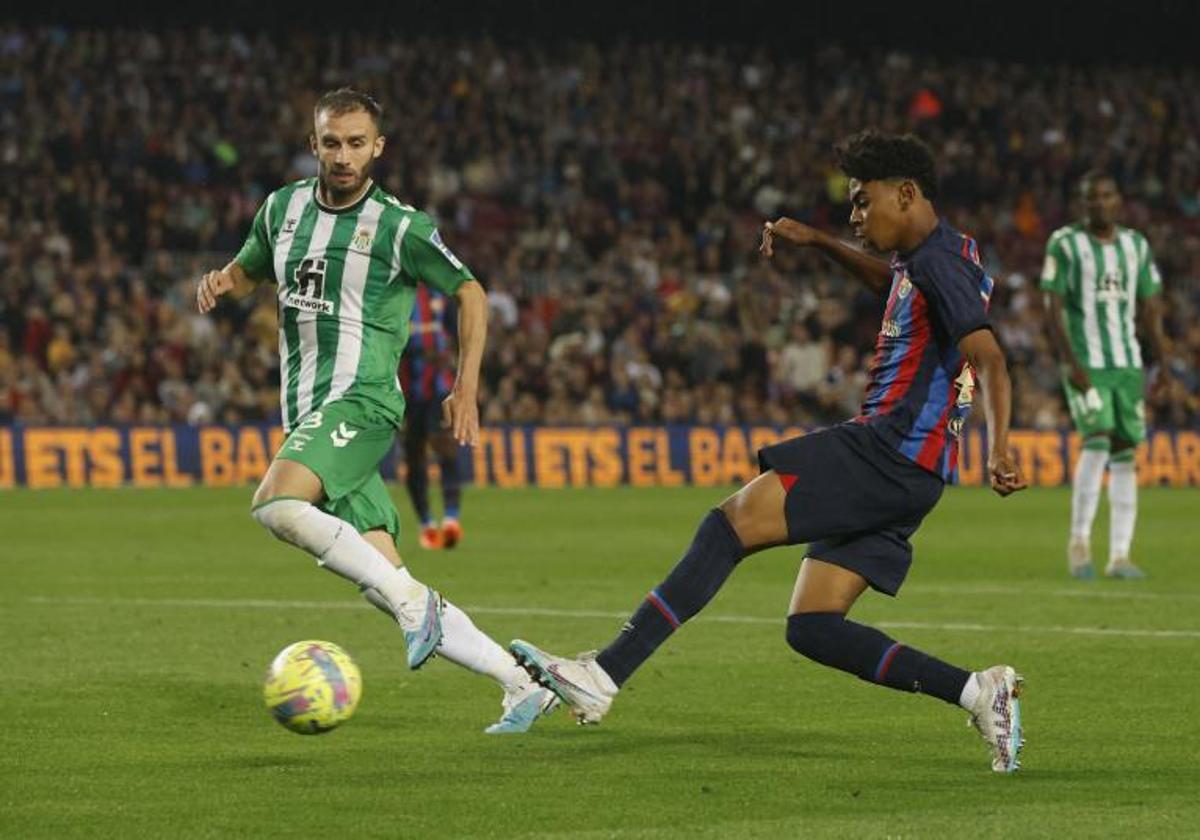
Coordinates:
[279,516]
[809,634]
[740,515]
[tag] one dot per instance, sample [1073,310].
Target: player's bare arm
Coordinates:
[230,280]
[872,270]
[1150,327]
[987,360]
[460,410]
[1076,373]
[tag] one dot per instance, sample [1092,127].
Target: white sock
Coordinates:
[339,548]
[465,644]
[1122,502]
[1085,491]
[970,692]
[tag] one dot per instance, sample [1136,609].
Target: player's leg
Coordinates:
[748,521]
[416,457]
[466,645]
[1093,419]
[325,459]
[446,448]
[818,629]
[1122,481]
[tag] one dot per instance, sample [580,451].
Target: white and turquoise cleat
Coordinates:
[997,716]
[1079,559]
[522,708]
[422,629]
[1122,569]
[580,683]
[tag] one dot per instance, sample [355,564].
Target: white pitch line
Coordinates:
[1085,590]
[251,603]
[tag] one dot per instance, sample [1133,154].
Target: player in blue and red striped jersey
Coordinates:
[426,377]
[855,492]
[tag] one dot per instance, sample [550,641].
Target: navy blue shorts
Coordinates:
[854,499]
[422,419]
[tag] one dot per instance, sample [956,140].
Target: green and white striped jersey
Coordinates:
[1100,283]
[346,281]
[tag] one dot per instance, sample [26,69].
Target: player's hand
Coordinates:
[212,286]
[795,232]
[460,414]
[1162,384]
[1079,379]
[1005,474]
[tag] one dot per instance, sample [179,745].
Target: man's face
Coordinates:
[877,212]
[1101,202]
[346,146]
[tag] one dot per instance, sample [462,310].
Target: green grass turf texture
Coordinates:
[134,649]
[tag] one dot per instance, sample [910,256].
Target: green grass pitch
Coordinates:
[137,626]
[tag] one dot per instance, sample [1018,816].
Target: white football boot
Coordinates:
[997,715]
[1123,569]
[580,682]
[1079,559]
[422,625]
[522,708]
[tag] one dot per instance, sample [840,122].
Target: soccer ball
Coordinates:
[312,687]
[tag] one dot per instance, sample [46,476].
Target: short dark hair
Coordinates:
[345,100]
[1093,175]
[876,156]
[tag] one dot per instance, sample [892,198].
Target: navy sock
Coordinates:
[829,638]
[713,555]
[418,487]
[451,486]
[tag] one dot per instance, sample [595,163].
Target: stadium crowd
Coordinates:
[610,198]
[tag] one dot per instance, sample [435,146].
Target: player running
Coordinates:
[1094,275]
[855,492]
[347,258]
[427,377]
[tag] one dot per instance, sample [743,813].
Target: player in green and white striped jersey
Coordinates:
[1099,279]
[345,258]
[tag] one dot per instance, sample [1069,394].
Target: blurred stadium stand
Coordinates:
[608,189]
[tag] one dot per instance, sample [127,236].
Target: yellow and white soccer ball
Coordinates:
[312,687]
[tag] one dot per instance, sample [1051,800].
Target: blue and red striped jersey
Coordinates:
[921,388]
[427,368]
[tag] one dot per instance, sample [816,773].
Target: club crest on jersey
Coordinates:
[436,239]
[965,385]
[955,426]
[905,288]
[361,240]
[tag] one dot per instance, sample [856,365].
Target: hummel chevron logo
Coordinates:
[342,435]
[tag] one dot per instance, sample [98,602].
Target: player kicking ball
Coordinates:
[346,258]
[855,492]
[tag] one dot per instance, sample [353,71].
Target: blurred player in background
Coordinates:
[855,492]
[427,377]
[346,259]
[1094,276]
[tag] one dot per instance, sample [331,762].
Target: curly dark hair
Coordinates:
[876,156]
[347,99]
[1095,176]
